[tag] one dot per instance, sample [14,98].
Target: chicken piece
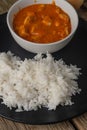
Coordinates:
[64,17]
[57,23]
[36,32]
[29,18]
[47,21]
[41,7]
[21,31]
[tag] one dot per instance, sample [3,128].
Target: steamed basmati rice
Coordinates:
[37,82]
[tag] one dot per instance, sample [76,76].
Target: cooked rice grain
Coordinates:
[37,82]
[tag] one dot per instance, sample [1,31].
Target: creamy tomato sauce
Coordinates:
[42,23]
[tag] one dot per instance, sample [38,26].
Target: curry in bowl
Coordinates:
[42,26]
[42,23]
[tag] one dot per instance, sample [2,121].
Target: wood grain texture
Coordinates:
[10,125]
[5,5]
[81,122]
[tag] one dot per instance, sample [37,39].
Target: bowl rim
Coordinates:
[36,43]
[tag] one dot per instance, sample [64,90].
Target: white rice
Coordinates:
[33,83]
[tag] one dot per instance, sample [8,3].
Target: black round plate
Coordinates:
[74,53]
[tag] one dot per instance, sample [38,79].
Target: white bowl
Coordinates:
[36,47]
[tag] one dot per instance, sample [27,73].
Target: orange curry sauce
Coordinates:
[42,23]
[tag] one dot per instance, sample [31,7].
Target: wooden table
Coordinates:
[78,123]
